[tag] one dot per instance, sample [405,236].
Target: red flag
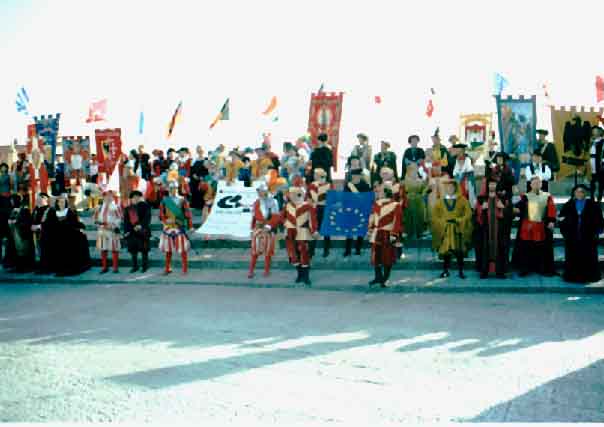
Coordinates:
[600,88]
[97,111]
[430,109]
[378,99]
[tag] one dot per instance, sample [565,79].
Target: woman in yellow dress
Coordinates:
[452,227]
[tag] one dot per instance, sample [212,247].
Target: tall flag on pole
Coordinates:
[97,111]
[321,88]
[599,88]
[430,107]
[500,83]
[223,115]
[271,106]
[141,123]
[22,101]
[175,119]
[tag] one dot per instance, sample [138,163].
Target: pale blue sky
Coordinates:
[153,54]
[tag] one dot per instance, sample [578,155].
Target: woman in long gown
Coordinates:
[581,223]
[21,243]
[415,212]
[74,258]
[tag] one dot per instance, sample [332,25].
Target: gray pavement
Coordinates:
[115,352]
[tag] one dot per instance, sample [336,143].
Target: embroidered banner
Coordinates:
[347,214]
[47,128]
[76,152]
[108,149]
[324,117]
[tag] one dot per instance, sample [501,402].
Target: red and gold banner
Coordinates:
[324,117]
[108,149]
[37,152]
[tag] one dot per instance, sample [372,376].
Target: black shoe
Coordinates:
[461,275]
[115,271]
[134,269]
[104,270]
[305,276]
[484,276]
[523,273]
[501,276]
[325,254]
[375,282]
[357,253]
[144,269]
[299,276]
[383,285]
[347,254]
[444,274]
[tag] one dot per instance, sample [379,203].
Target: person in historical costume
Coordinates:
[232,165]
[452,227]
[540,169]
[208,187]
[300,222]
[5,205]
[493,213]
[498,170]
[384,158]
[261,164]
[548,152]
[534,249]
[74,257]
[22,178]
[19,223]
[175,216]
[198,172]
[415,211]
[322,156]
[184,169]
[145,163]
[362,151]
[42,205]
[413,154]
[108,218]
[440,155]
[581,223]
[45,227]
[137,230]
[317,191]
[384,230]
[387,175]
[597,162]
[266,218]
[436,188]
[58,181]
[463,173]
[356,184]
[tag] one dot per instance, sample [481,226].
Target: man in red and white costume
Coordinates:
[108,217]
[318,196]
[176,217]
[300,221]
[265,220]
[384,231]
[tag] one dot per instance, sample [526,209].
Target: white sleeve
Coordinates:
[527,173]
[547,175]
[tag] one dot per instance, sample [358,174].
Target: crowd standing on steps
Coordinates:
[436,196]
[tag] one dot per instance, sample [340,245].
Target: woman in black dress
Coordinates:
[581,223]
[74,256]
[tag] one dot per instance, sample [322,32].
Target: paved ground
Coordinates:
[281,356]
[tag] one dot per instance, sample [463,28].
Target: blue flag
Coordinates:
[141,123]
[500,83]
[347,214]
[22,101]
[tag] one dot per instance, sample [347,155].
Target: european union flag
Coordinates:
[346,214]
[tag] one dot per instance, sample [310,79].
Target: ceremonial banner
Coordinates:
[572,137]
[108,148]
[36,155]
[231,215]
[517,126]
[47,128]
[324,117]
[347,213]
[76,152]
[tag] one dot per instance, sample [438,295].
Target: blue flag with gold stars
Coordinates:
[346,214]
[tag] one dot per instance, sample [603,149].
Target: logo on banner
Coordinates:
[324,117]
[47,128]
[347,213]
[108,148]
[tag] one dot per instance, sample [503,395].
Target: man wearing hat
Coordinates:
[137,230]
[175,216]
[500,172]
[108,218]
[540,169]
[232,166]
[597,162]
[463,173]
[413,154]
[300,222]
[322,156]
[318,196]
[266,217]
[440,155]
[384,158]
[548,152]
[384,230]
[363,151]
[356,184]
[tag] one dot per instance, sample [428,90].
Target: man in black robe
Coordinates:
[137,229]
[39,214]
[322,157]
[145,163]
[20,223]
[548,152]
[581,223]
[413,154]
[384,158]
[198,172]
[356,185]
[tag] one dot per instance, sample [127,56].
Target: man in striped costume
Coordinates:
[108,217]
[318,196]
[384,231]
[175,215]
[265,220]
[300,221]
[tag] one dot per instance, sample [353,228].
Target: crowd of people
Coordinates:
[435,192]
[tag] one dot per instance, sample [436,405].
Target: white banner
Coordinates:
[231,215]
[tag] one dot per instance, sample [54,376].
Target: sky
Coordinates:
[149,55]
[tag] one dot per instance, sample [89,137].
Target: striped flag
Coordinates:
[223,115]
[175,119]
[22,101]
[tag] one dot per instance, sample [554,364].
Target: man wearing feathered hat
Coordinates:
[301,227]
[384,232]
[318,196]
[137,230]
[108,218]
[175,216]
[266,217]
